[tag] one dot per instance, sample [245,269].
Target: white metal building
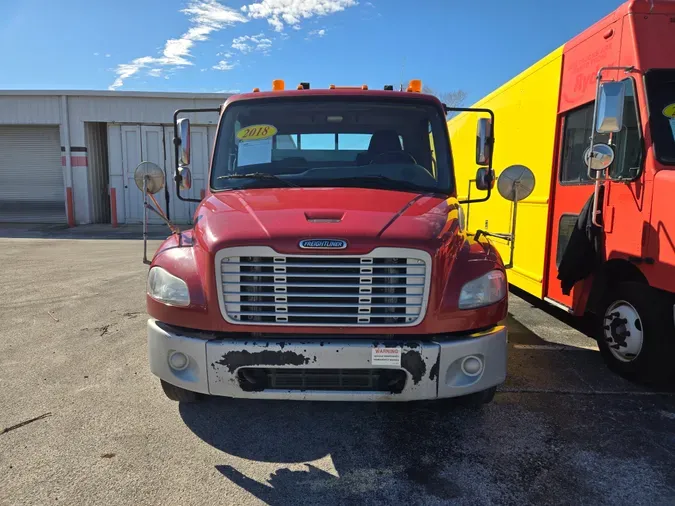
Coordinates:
[69,156]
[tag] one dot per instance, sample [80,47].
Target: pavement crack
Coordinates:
[103,330]
[26,422]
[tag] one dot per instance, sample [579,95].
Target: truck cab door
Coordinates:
[623,198]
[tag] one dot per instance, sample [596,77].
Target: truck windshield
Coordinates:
[333,142]
[661,95]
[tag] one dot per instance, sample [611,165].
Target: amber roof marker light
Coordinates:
[415,86]
[278,85]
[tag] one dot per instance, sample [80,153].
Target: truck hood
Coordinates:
[283,216]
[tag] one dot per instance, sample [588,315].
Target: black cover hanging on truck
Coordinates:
[584,248]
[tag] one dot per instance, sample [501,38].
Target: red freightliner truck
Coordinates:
[328,258]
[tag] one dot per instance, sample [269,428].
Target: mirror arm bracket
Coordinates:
[492,142]
[477,201]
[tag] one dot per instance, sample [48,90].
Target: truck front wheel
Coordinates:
[179,394]
[636,332]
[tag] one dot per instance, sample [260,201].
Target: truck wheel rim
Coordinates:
[623,331]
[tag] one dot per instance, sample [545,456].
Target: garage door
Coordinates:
[31,178]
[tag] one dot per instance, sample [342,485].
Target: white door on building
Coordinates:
[154,143]
[152,150]
[31,176]
[131,157]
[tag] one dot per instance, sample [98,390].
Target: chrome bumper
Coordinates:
[433,369]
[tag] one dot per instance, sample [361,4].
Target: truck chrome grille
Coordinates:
[388,287]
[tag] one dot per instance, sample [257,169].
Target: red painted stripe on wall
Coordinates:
[75,161]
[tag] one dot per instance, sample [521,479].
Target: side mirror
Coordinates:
[184,141]
[611,96]
[600,157]
[515,183]
[149,177]
[483,141]
[485,179]
[185,178]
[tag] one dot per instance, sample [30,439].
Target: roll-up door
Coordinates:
[31,177]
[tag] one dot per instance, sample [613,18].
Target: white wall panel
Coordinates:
[138,110]
[30,110]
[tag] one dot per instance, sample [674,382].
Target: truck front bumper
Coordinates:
[327,368]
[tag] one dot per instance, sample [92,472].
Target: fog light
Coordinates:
[472,366]
[178,360]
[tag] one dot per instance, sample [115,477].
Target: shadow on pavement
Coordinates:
[381,452]
[521,449]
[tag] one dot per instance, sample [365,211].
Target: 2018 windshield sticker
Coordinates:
[669,111]
[256,132]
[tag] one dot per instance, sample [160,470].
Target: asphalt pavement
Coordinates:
[82,420]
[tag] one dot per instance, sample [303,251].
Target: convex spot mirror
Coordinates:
[485,179]
[611,96]
[601,158]
[185,178]
[483,141]
[515,183]
[184,141]
[149,175]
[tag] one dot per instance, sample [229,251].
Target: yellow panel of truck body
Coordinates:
[525,111]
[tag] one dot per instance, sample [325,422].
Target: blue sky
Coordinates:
[209,45]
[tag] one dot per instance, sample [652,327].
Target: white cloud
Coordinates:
[95,54]
[155,72]
[317,33]
[107,55]
[290,12]
[207,16]
[225,65]
[248,43]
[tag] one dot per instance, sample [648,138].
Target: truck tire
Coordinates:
[179,394]
[636,332]
[477,399]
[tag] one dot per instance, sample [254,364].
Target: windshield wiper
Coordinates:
[259,176]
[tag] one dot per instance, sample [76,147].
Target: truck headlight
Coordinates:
[483,291]
[167,288]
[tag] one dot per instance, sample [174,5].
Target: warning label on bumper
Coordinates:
[386,356]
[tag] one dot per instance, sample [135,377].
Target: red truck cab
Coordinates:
[328,258]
